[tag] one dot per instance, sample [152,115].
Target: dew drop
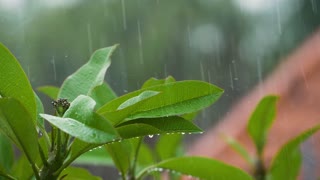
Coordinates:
[150,136]
[183,133]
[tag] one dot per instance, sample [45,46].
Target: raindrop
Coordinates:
[183,133]
[40,133]
[150,136]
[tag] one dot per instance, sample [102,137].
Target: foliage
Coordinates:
[286,163]
[98,125]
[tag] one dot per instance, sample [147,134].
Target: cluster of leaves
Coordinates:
[92,123]
[287,162]
[94,126]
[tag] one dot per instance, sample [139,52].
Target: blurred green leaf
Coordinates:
[77,149]
[286,164]
[6,154]
[122,154]
[167,145]
[98,156]
[261,120]
[199,167]
[88,76]
[239,148]
[75,173]
[145,157]
[40,109]
[152,126]
[22,169]
[81,122]
[102,94]
[14,82]
[154,82]
[175,98]
[16,124]
[51,91]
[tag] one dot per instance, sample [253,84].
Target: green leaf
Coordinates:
[75,173]
[97,156]
[175,98]
[152,126]
[121,153]
[154,82]
[51,91]
[81,122]
[102,94]
[88,76]
[286,164]
[6,153]
[85,132]
[77,149]
[239,148]
[15,123]
[14,82]
[167,145]
[134,100]
[40,110]
[145,157]
[261,120]
[22,168]
[200,167]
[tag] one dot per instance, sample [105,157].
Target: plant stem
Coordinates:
[260,170]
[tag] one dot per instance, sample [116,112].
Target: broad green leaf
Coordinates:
[121,153]
[86,132]
[15,123]
[6,153]
[81,122]
[51,91]
[152,126]
[261,120]
[97,156]
[76,173]
[14,82]
[286,164]
[154,82]
[102,94]
[88,76]
[167,145]
[199,167]
[175,98]
[239,148]
[134,100]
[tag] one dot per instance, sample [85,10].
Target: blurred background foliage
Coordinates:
[231,43]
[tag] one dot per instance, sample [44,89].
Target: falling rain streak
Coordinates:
[89,38]
[53,61]
[140,42]
[124,18]
[278,16]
